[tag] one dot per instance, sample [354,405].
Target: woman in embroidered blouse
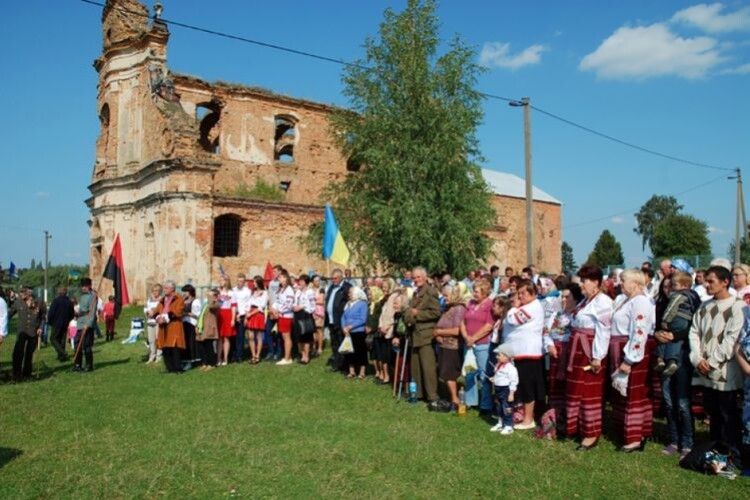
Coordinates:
[633,323]
[476,329]
[227,318]
[556,340]
[589,344]
[282,311]
[256,319]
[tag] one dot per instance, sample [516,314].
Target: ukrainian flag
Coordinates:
[334,247]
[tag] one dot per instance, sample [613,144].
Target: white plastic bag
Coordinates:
[470,362]
[346,346]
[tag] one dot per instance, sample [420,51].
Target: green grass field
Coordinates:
[130,430]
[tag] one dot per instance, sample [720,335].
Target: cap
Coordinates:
[506,349]
[682,265]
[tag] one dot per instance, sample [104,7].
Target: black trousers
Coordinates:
[58,341]
[189,331]
[721,407]
[86,349]
[172,359]
[206,352]
[23,355]
[358,358]
[337,360]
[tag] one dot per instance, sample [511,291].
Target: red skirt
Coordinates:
[256,322]
[557,378]
[226,327]
[285,325]
[584,388]
[633,414]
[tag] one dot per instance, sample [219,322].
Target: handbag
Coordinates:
[306,325]
[346,346]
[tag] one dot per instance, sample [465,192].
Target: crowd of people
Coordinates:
[526,351]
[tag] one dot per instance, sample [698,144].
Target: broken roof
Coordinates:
[505,184]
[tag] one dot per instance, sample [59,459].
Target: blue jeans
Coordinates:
[479,378]
[271,340]
[502,392]
[676,394]
[670,351]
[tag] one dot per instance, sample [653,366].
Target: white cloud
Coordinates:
[497,54]
[639,53]
[743,69]
[715,230]
[42,194]
[710,19]
[617,219]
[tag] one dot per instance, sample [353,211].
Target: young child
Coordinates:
[506,382]
[109,318]
[678,317]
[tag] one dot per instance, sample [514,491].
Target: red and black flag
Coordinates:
[115,271]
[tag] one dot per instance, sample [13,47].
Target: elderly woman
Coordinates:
[382,325]
[353,323]
[630,345]
[171,336]
[556,340]
[589,345]
[207,331]
[522,331]
[740,280]
[154,355]
[476,328]
[447,334]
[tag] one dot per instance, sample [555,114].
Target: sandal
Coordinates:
[361,377]
[350,375]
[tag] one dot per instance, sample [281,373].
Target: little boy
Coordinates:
[677,319]
[506,382]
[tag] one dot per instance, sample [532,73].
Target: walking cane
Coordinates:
[395,371]
[403,367]
[36,355]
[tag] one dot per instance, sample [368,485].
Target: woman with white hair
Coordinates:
[353,323]
[630,344]
[171,336]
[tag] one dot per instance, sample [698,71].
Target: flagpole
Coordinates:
[328,268]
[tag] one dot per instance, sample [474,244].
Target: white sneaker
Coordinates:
[497,427]
[525,427]
[506,430]
[284,362]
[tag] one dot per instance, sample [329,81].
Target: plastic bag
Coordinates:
[470,362]
[346,346]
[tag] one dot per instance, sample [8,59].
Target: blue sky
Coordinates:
[668,75]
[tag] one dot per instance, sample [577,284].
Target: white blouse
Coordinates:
[634,318]
[259,301]
[596,314]
[284,301]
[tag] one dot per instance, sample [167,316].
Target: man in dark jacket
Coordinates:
[337,296]
[421,317]
[30,318]
[58,317]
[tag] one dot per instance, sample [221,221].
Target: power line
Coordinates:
[632,210]
[357,65]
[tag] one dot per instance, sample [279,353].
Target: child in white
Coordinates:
[506,383]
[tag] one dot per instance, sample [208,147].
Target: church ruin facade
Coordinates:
[184,168]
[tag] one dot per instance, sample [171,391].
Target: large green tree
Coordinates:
[568,261]
[680,234]
[419,196]
[656,209]
[607,251]
[744,250]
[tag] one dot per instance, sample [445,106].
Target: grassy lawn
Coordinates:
[130,430]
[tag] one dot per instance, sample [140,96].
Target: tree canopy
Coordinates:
[607,251]
[656,209]
[417,195]
[680,234]
[568,261]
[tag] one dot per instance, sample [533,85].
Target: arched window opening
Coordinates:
[103,148]
[285,135]
[353,165]
[227,235]
[208,115]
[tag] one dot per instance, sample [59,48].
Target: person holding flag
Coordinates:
[115,272]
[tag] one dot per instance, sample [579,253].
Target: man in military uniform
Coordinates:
[421,317]
[86,321]
[30,320]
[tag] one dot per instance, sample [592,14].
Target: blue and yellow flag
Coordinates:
[334,247]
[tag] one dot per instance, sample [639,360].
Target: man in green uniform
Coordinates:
[421,317]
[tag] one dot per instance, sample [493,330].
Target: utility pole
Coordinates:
[740,227]
[47,237]
[526,104]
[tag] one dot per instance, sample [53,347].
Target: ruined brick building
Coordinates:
[173,149]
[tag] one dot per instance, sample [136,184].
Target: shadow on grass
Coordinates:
[46,371]
[8,454]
